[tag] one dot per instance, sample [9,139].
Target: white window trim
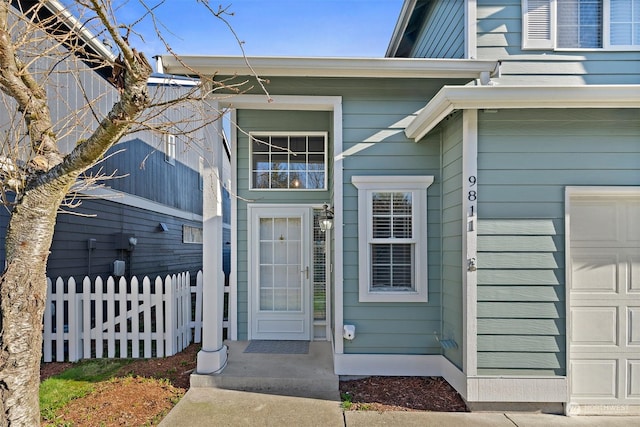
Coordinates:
[551,43]
[289,134]
[417,185]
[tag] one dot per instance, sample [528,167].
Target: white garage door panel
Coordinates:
[633,370]
[594,271]
[594,326]
[604,298]
[634,326]
[594,379]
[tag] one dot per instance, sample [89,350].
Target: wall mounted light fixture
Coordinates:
[326,222]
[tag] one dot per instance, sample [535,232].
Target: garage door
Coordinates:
[604,295]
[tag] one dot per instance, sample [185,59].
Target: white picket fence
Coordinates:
[120,319]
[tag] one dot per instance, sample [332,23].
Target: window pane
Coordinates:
[298,144]
[315,180]
[288,162]
[381,227]
[316,144]
[625,22]
[579,23]
[260,143]
[392,266]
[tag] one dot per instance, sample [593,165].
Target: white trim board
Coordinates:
[451,98]
[127,199]
[472,389]
[419,68]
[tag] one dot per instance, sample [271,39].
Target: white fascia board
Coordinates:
[451,98]
[401,25]
[63,14]
[328,67]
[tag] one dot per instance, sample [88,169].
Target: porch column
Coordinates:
[213,356]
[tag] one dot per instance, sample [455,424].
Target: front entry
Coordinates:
[279,273]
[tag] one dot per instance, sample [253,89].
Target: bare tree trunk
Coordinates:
[23,291]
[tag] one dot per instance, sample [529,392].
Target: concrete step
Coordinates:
[303,375]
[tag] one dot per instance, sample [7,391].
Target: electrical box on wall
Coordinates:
[125,241]
[118,267]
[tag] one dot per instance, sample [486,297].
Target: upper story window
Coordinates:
[581,24]
[392,238]
[289,161]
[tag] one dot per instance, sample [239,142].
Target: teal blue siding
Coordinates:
[452,314]
[499,37]
[526,158]
[442,35]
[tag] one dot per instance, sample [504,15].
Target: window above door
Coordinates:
[288,161]
[581,24]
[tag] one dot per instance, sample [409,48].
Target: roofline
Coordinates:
[400,28]
[326,67]
[451,98]
[79,28]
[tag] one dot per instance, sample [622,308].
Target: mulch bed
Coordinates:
[402,394]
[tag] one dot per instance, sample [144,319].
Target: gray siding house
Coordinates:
[483,186]
[157,197]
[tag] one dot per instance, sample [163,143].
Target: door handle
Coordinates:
[306,272]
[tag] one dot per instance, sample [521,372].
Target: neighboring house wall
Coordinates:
[526,159]
[452,310]
[442,34]
[268,121]
[499,29]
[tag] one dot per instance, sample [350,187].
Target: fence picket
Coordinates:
[160,321]
[97,330]
[47,326]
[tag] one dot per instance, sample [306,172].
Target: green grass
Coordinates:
[75,382]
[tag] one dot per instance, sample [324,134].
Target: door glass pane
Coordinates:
[280,281]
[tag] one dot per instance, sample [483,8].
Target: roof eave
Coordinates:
[327,67]
[401,25]
[451,98]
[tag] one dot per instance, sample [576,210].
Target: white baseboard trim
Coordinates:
[517,389]
[472,389]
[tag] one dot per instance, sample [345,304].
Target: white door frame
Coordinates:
[283,210]
[574,191]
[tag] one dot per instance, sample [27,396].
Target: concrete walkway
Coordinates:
[301,390]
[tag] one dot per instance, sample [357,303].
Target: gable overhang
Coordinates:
[452,98]
[326,67]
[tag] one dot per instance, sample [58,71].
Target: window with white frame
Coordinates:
[392,238]
[170,148]
[289,161]
[581,24]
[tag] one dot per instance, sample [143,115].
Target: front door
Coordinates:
[279,288]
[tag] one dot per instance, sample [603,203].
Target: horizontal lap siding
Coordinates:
[374,115]
[525,161]
[452,306]
[499,37]
[442,35]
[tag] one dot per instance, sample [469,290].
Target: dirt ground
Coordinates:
[133,398]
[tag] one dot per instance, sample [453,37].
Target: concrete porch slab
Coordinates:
[301,375]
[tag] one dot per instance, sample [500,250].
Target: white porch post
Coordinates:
[213,356]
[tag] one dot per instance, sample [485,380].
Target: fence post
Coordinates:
[99,325]
[111,315]
[59,326]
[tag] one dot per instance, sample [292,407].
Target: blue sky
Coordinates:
[360,28]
